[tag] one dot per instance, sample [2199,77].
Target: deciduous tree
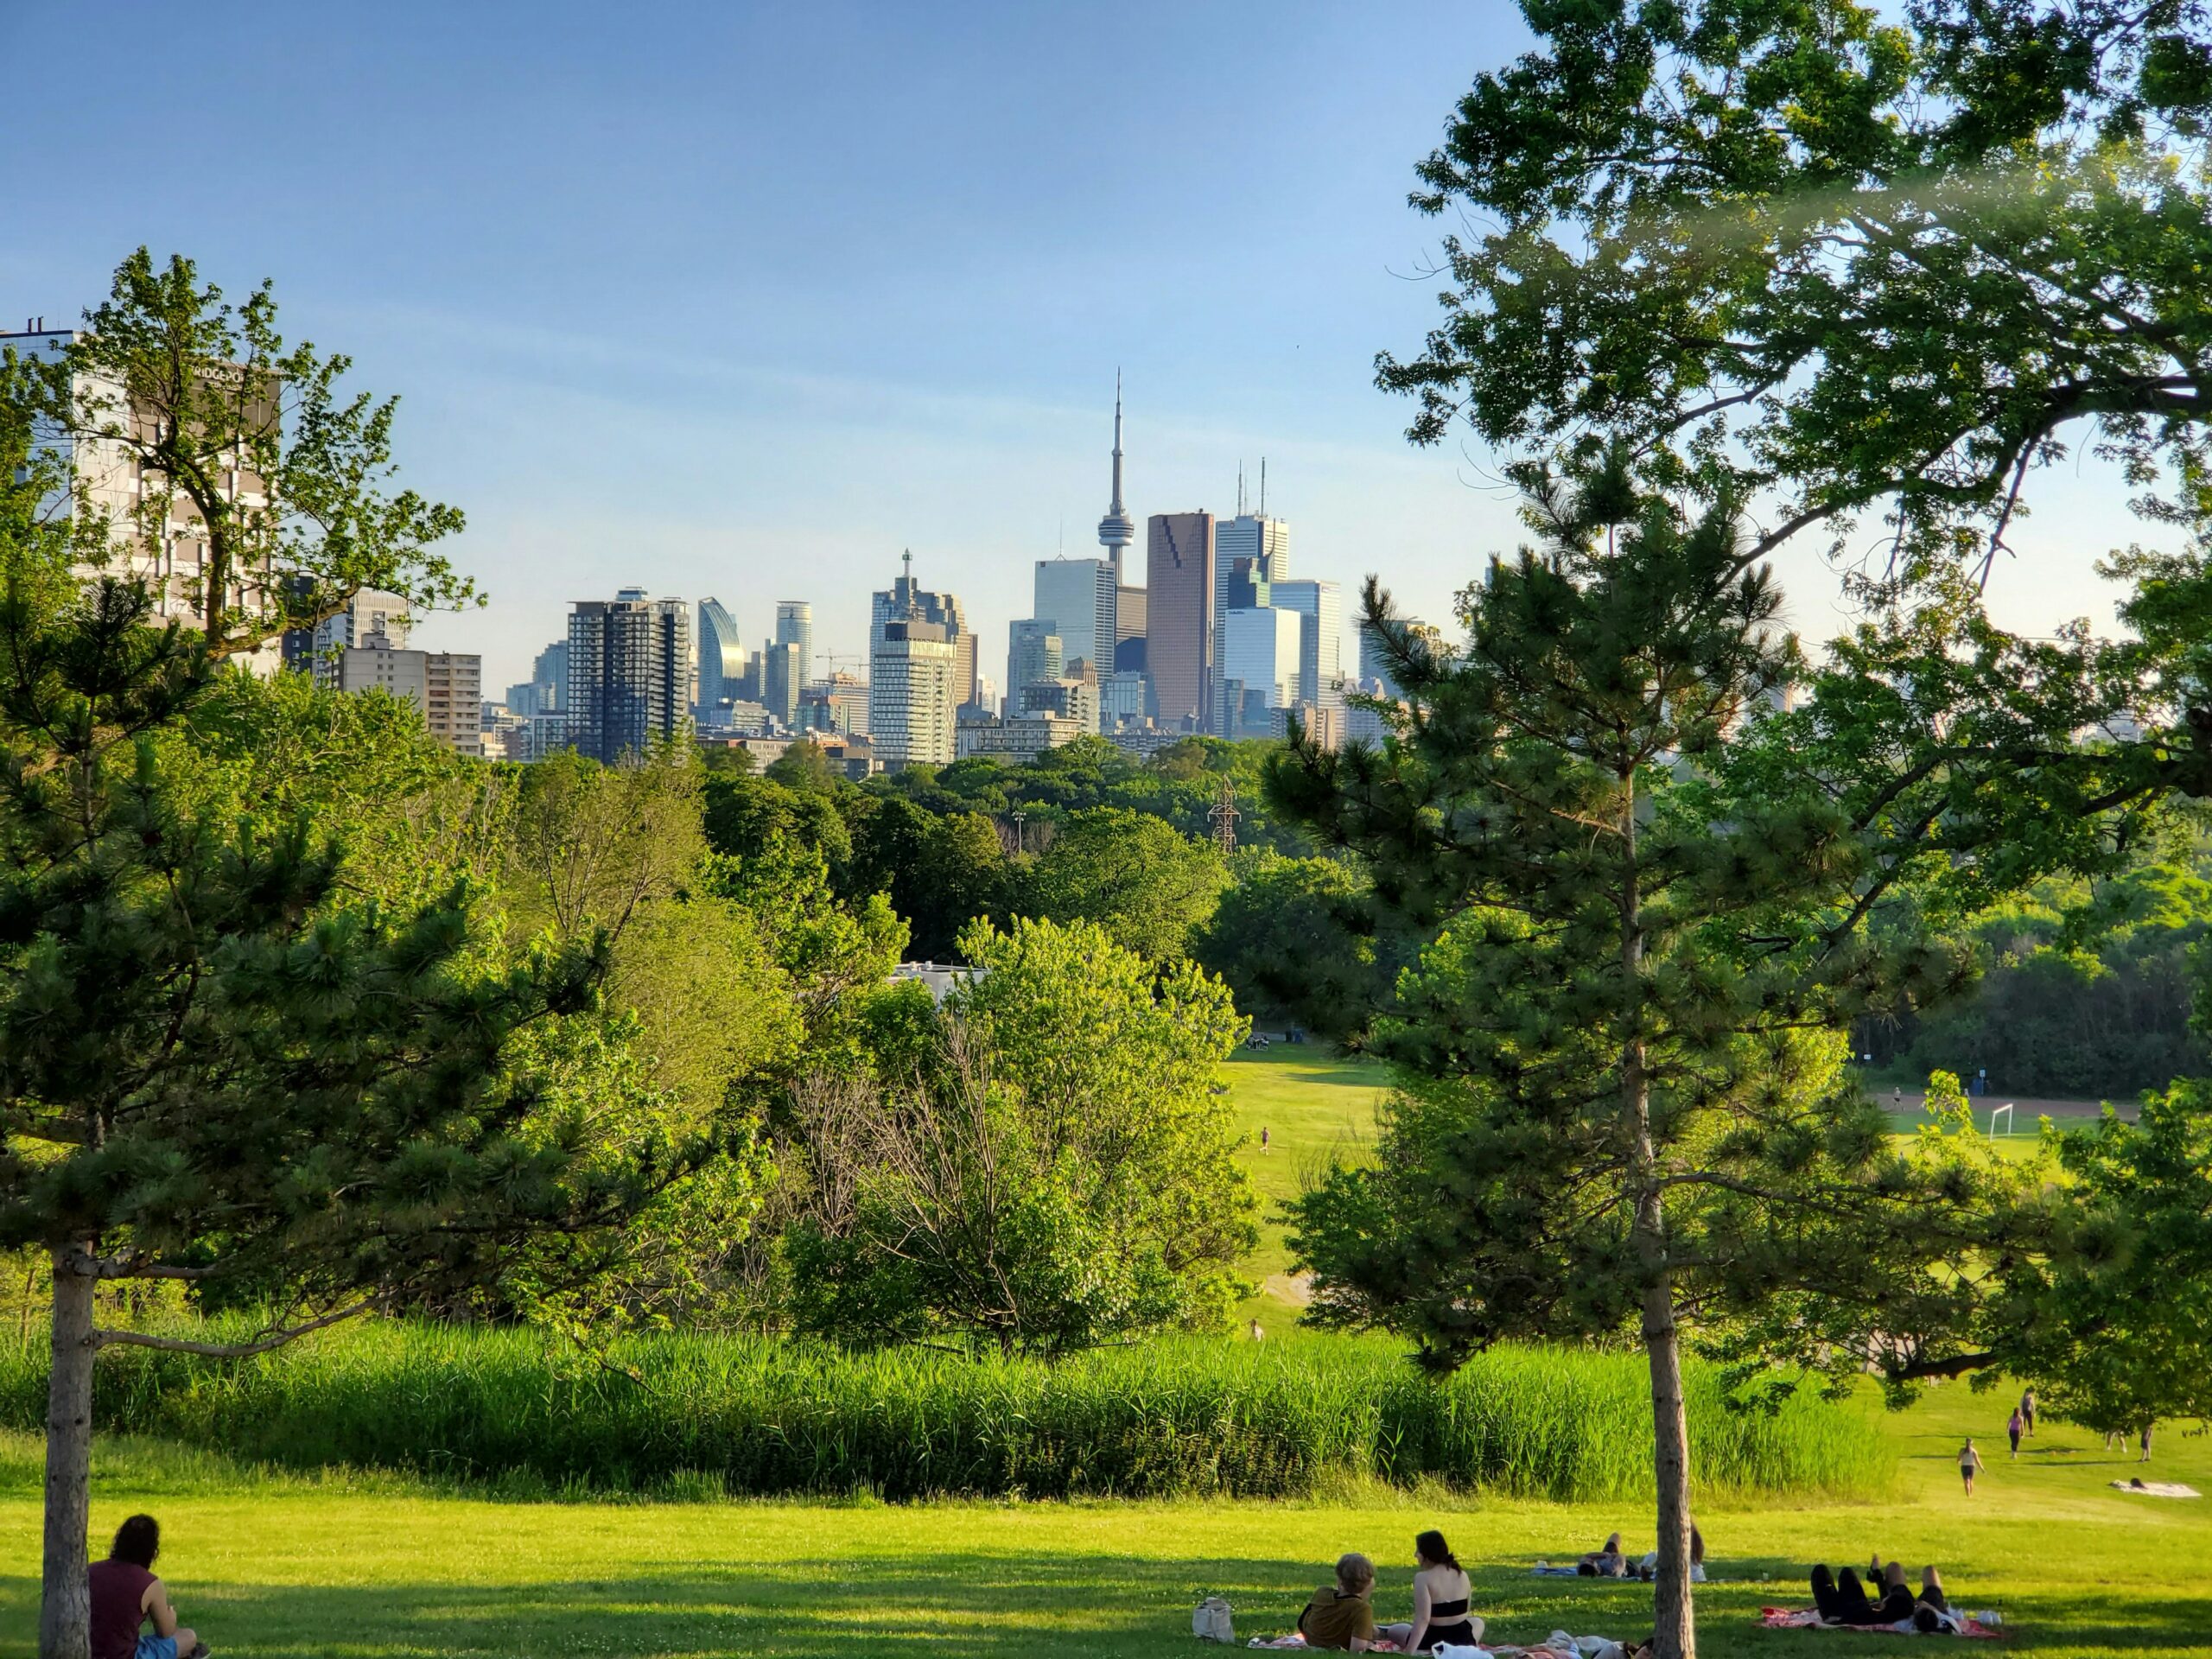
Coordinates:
[1622,1104]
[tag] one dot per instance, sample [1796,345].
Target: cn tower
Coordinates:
[1117,530]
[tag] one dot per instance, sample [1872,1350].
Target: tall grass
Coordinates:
[742,1416]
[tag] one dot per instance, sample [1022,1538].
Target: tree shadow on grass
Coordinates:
[987,1605]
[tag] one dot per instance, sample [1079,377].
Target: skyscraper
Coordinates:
[1321,667]
[1131,606]
[1035,651]
[1179,615]
[629,669]
[1117,530]
[1260,669]
[1372,663]
[795,627]
[1258,547]
[721,658]
[912,703]
[782,679]
[370,613]
[549,672]
[1079,597]
[907,600]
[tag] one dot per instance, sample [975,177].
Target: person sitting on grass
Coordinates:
[1340,1616]
[125,1594]
[1440,1593]
[1650,1564]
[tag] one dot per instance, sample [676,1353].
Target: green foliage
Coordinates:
[1166,1419]
[1043,1167]
[246,447]
[275,1085]
[1295,937]
[941,871]
[2114,1321]
[2088,992]
[1842,262]
[1148,887]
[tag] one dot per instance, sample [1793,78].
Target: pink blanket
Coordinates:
[1808,1618]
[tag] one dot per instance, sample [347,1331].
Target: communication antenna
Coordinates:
[1240,489]
[1224,818]
[1263,487]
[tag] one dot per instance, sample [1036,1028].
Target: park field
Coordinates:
[384,1565]
[376,1567]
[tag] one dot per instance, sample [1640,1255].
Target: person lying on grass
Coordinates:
[1440,1593]
[1842,1599]
[125,1594]
[1606,1561]
[1340,1616]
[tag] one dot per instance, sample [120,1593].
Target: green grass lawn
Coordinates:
[270,1566]
[375,1567]
[1313,1105]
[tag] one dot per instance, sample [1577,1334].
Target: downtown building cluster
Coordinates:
[1219,638]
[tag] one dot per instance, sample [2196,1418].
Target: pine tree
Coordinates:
[1622,1105]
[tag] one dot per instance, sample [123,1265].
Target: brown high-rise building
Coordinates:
[1179,615]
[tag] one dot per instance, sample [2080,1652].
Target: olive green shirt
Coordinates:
[1334,1616]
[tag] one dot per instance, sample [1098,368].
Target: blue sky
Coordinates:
[743,300]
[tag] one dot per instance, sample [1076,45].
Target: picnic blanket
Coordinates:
[2156,1489]
[1808,1618]
[1296,1643]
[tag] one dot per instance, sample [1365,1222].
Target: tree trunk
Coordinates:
[64,1630]
[1671,1612]
[1674,1626]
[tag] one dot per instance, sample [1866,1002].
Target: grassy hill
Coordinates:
[1314,1105]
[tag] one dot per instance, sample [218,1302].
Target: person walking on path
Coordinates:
[1263,1140]
[2028,1413]
[1969,1465]
[2012,1424]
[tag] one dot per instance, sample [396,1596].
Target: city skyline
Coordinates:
[621,388]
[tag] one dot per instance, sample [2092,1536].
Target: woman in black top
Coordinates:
[1440,1593]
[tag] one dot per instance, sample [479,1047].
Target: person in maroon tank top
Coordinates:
[125,1594]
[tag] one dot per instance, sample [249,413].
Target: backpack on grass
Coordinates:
[1210,1621]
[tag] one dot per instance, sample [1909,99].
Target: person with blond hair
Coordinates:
[1340,1617]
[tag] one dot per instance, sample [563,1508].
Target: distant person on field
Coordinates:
[125,1594]
[2145,1457]
[1340,1616]
[2013,1425]
[1440,1593]
[1258,1335]
[1969,1465]
[2028,1411]
[2115,1439]
[1263,1137]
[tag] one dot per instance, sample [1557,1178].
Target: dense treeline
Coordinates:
[1100,837]
[2088,987]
